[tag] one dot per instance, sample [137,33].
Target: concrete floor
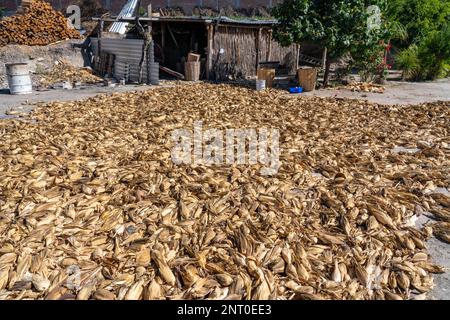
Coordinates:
[25,103]
[396,93]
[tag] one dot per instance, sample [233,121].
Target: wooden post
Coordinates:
[148,41]
[258,39]
[149,10]
[269,49]
[99,44]
[100,31]
[210,49]
[326,64]
[324,57]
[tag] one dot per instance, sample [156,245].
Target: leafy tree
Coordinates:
[335,24]
[419,17]
[425,54]
[429,59]
[369,54]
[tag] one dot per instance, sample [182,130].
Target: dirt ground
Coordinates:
[396,93]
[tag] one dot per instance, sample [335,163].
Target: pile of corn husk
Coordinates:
[92,206]
[64,71]
[365,87]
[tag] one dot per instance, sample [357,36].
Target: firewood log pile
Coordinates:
[38,25]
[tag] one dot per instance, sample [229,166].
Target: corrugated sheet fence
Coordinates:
[128,55]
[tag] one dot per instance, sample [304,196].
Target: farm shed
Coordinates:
[228,48]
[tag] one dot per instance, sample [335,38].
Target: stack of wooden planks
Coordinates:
[38,25]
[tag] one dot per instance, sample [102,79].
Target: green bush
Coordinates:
[430,58]
[408,61]
[2,12]
[419,17]
[445,72]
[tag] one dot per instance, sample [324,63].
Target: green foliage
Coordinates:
[335,24]
[368,54]
[419,17]
[445,71]
[430,58]
[368,58]
[408,61]
[418,26]
[2,12]
[339,25]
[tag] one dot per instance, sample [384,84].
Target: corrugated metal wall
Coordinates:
[127,52]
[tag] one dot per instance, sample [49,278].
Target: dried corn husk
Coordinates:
[92,206]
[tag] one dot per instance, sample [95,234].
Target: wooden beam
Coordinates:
[258,40]
[209,50]
[99,44]
[324,56]
[172,35]
[149,10]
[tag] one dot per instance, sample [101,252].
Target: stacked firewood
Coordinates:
[38,25]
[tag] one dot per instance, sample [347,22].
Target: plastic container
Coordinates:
[260,85]
[295,89]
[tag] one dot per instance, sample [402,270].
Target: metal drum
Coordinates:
[19,79]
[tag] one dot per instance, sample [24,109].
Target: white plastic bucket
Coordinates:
[260,85]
